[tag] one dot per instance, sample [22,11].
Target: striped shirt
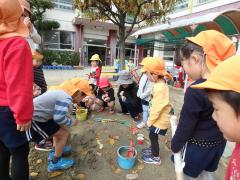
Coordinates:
[39,79]
[56,105]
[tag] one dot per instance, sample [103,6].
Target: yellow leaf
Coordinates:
[111,141]
[55,174]
[140,166]
[80,176]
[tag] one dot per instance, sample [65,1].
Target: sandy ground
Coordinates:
[94,162]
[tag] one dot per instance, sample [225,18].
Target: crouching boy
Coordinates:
[51,117]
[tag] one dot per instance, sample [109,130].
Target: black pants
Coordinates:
[133,109]
[153,136]
[19,166]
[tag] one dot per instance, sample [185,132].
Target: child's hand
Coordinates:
[24,127]
[123,98]
[121,93]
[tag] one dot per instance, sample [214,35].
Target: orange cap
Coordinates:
[216,46]
[225,76]
[36,55]
[82,85]
[144,61]
[155,65]
[10,20]
[25,5]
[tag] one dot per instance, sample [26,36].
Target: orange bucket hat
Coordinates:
[25,5]
[225,76]
[155,65]
[10,19]
[216,46]
[36,55]
[82,85]
[68,87]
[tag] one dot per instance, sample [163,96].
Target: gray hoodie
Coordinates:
[145,88]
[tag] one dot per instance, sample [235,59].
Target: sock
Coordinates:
[55,159]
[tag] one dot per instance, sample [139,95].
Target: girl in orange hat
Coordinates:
[197,131]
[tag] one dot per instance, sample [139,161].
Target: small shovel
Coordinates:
[130,151]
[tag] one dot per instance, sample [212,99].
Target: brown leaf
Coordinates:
[111,141]
[80,176]
[55,174]
[118,171]
[39,161]
[140,166]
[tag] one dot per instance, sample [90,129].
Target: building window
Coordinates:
[63,4]
[61,40]
[182,5]
[199,2]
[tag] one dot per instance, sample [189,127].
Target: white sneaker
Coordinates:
[141,125]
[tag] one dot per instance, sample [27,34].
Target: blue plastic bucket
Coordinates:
[123,161]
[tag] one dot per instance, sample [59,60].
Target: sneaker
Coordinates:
[46,146]
[66,151]
[152,160]
[141,125]
[146,151]
[62,164]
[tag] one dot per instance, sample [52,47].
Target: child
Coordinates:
[130,65]
[204,141]
[16,92]
[34,37]
[158,120]
[52,117]
[223,91]
[144,93]
[39,78]
[96,68]
[127,95]
[105,95]
[36,90]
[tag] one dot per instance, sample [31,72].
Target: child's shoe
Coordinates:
[46,146]
[141,125]
[66,151]
[146,151]
[152,159]
[61,164]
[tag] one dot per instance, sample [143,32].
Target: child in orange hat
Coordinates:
[105,95]
[16,92]
[224,92]
[52,118]
[39,78]
[197,131]
[158,120]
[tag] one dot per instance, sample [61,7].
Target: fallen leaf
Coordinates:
[135,171]
[99,144]
[140,166]
[80,176]
[111,141]
[39,161]
[98,153]
[139,160]
[116,137]
[33,174]
[55,174]
[118,171]
[131,176]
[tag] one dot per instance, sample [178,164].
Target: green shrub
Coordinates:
[61,57]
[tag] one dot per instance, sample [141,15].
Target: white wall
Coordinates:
[64,17]
[202,7]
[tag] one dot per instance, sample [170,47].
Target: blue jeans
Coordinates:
[145,113]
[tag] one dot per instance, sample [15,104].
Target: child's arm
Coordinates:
[188,120]
[60,114]
[160,100]
[18,71]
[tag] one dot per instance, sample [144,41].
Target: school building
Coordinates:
[189,18]
[78,33]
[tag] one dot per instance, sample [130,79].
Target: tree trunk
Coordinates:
[122,46]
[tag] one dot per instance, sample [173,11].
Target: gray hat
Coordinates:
[124,77]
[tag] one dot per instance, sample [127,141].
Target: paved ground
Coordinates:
[87,154]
